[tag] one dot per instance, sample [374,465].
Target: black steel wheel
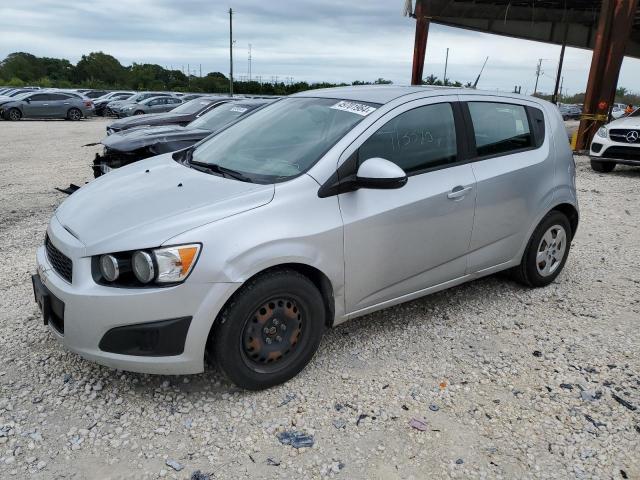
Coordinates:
[269,331]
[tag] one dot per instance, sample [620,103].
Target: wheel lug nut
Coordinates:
[278,338]
[265,329]
[275,321]
[283,327]
[268,340]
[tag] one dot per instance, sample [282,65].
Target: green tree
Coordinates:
[100,69]
[22,65]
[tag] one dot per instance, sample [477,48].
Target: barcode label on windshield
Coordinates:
[238,109]
[353,107]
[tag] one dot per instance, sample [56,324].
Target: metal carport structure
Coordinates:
[611,28]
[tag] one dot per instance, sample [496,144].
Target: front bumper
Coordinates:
[92,310]
[611,151]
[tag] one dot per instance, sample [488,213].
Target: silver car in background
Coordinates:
[46,104]
[316,209]
[150,105]
[115,107]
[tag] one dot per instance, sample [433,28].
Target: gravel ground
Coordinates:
[509,382]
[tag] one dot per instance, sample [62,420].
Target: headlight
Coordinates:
[602,132]
[164,265]
[175,263]
[143,267]
[109,267]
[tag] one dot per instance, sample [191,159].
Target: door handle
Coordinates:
[458,192]
[45,104]
[67,103]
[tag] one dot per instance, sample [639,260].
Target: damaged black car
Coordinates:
[181,115]
[138,143]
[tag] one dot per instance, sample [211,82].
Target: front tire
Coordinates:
[269,331]
[138,112]
[13,114]
[547,251]
[602,167]
[74,114]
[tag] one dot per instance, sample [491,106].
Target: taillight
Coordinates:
[88,103]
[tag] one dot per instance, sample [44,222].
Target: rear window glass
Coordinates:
[500,128]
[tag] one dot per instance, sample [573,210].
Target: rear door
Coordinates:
[172,103]
[59,104]
[399,242]
[514,170]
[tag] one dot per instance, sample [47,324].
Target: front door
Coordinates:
[399,242]
[37,106]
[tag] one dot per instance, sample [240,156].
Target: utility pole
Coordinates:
[249,62]
[230,52]
[446,64]
[560,63]
[200,70]
[538,73]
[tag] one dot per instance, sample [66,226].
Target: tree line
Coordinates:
[102,71]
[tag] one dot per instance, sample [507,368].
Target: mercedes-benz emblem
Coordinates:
[632,136]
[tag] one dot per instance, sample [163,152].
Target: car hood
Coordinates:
[626,122]
[147,203]
[152,119]
[140,137]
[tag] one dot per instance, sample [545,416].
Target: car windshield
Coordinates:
[284,139]
[192,106]
[20,96]
[221,116]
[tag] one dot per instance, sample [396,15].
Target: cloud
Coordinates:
[332,40]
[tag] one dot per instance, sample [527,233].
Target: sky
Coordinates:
[310,40]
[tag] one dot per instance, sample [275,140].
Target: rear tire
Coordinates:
[602,167]
[547,251]
[74,114]
[138,112]
[13,114]
[269,331]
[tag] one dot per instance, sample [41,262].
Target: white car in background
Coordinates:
[617,142]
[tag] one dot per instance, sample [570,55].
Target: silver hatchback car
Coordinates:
[316,209]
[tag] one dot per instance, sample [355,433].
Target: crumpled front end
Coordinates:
[112,159]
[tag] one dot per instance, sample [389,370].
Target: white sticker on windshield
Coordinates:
[353,107]
[238,109]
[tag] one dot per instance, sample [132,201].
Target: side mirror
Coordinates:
[380,173]
[28,100]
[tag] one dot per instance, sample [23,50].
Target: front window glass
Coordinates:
[283,139]
[500,127]
[416,140]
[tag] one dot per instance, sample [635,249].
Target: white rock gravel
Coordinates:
[490,355]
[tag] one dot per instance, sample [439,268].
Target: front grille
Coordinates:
[620,135]
[60,262]
[623,153]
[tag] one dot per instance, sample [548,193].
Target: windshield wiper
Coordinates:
[222,171]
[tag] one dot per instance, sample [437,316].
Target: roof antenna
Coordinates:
[475,84]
